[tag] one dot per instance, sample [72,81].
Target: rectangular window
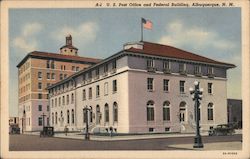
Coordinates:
[114,86]
[150,113]
[210,88]
[77,69]
[210,70]
[39,75]
[47,107]
[61,76]
[182,86]
[90,93]
[167,129]
[182,67]
[106,69]
[166,65]
[106,88]
[61,67]
[63,98]
[65,75]
[59,101]
[48,75]
[166,113]
[150,84]
[52,65]
[67,100]
[73,68]
[150,63]
[53,76]
[97,91]
[83,94]
[113,66]
[197,70]
[40,96]
[56,102]
[165,85]
[40,108]
[90,76]
[97,73]
[40,121]
[47,63]
[39,85]
[151,129]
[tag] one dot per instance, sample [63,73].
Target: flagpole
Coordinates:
[141,30]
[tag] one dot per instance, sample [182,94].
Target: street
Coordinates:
[35,143]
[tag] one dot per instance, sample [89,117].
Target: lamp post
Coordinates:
[86,109]
[197,96]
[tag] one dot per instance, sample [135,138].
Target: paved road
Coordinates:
[35,143]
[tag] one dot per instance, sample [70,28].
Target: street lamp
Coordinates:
[86,109]
[197,96]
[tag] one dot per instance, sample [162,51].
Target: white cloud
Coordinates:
[26,41]
[179,34]
[82,34]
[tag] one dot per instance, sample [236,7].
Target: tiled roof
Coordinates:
[47,55]
[172,52]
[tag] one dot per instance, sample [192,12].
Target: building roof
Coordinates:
[56,56]
[172,52]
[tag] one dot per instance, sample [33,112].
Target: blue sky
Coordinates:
[99,33]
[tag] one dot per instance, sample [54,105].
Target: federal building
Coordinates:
[141,89]
[36,72]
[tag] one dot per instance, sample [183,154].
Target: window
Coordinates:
[98,114]
[115,112]
[166,111]
[61,67]
[83,94]
[52,118]
[53,76]
[40,107]
[52,103]
[72,116]
[40,121]
[197,70]
[77,69]
[39,85]
[72,98]
[106,88]
[113,66]
[106,69]
[56,102]
[67,99]
[151,129]
[182,67]
[165,85]
[47,121]
[210,111]
[90,93]
[167,129]
[90,76]
[56,117]
[59,100]
[114,86]
[40,96]
[61,76]
[73,68]
[47,107]
[150,84]
[210,88]
[67,116]
[106,110]
[97,91]
[210,70]
[97,73]
[39,75]
[47,63]
[150,111]
[166,65]
[52,65]
[48,75]
[182,111]
[83,78]
[65,75]
[182,86]
[150,63]
[63,98]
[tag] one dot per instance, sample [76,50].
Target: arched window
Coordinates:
[150,110]
[72,116]
[52,118]
[56,117]
[72,98]
[210,111]
[67,99]
[68,116]
[106,110]
[115,112]
[98,114]
[166,110]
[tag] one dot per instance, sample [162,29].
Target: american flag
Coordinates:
[147,24]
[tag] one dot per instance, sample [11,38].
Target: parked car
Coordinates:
[14,129]
[47,131]
[223,129]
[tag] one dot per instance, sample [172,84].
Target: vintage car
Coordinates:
[223,129]
[47,131]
